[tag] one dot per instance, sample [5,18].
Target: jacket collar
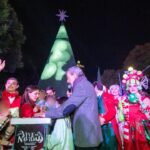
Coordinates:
[78,80]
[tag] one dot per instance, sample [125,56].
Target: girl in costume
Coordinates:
[107,117]
[118,98]
[136,109]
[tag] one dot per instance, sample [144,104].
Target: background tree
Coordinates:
[110,76]
[139,57]
[11,37]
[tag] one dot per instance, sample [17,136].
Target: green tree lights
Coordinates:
[60,59]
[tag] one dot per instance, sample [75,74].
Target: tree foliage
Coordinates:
[11,37]
[139,57]
[110,77]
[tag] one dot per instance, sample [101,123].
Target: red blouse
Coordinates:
[26,111]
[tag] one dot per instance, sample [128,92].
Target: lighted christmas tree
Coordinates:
[60,59]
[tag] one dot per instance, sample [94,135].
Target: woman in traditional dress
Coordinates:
[136,109]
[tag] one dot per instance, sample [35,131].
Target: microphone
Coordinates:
[69,88]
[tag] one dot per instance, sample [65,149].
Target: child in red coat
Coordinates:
[107,113]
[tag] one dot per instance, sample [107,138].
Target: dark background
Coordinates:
[101,32]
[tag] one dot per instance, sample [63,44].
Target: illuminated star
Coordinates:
[62,15]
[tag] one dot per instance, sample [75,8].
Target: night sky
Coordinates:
[101,32]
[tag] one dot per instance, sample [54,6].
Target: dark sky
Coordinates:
[101,32]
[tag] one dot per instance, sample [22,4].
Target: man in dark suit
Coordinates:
[83,102]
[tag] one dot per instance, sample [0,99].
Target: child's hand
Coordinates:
[43,109]
[102,120]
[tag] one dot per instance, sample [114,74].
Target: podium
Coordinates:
[31,133]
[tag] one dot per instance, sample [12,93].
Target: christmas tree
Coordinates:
[60,59]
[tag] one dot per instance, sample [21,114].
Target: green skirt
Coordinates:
[109,138]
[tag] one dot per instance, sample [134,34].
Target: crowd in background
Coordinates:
[123,115]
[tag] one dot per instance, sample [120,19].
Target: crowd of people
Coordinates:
[89,117]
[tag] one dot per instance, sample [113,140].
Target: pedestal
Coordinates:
[31,133]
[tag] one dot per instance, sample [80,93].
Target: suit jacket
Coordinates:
[86,125]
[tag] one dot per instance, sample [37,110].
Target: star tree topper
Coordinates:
[62,15]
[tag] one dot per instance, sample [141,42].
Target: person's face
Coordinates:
[42,95]
[11,85]
[50,92]
[133,88]
[71,78]
[33,96]
[115,91]
[51,101]
[97,91]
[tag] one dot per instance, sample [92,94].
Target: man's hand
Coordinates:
[40,115]
[2,64]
